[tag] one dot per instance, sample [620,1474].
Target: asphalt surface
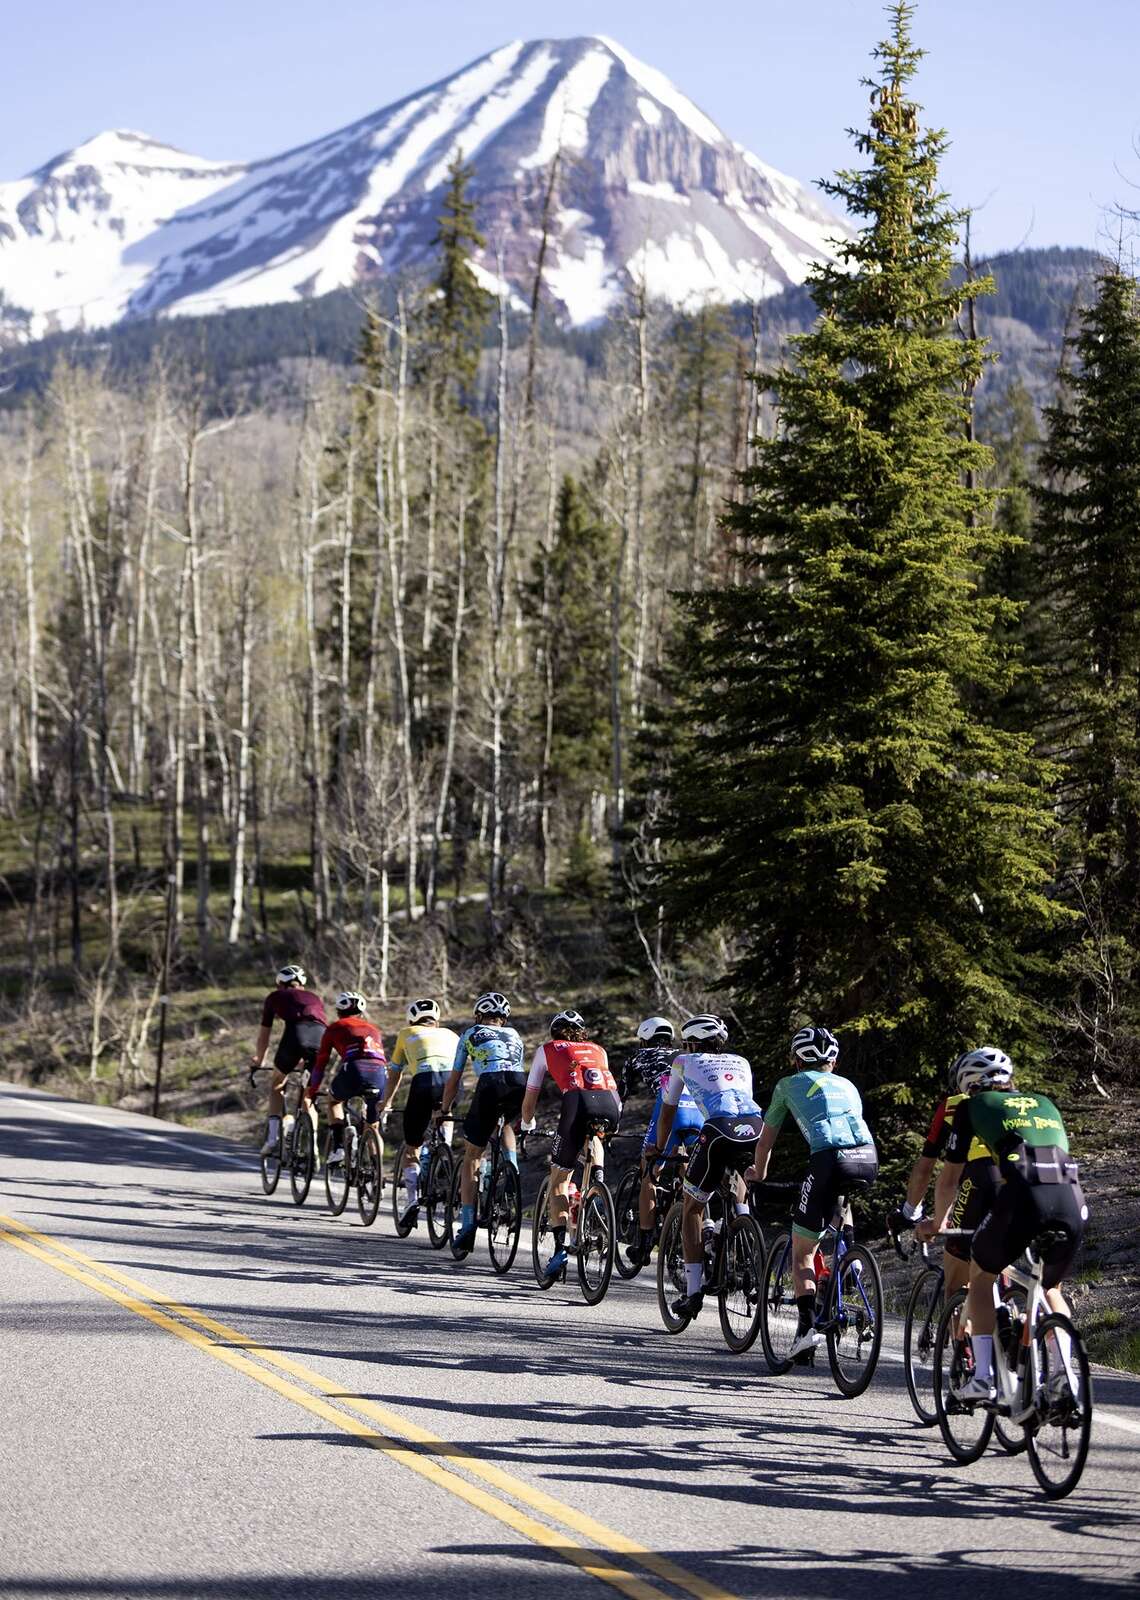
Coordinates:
[406,1425]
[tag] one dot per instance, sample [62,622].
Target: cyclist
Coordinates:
[363,1070]
[429,1051]
[651,1064]
[829,1113]
[975,1192]
[1039,1188]
[303,1014]
[494,1051]
[581,1071]
[720,1081]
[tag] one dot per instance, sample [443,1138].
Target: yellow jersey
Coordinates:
[424,1049]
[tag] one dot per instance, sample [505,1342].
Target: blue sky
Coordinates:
[1039,96]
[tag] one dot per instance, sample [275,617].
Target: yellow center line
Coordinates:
[49,1249]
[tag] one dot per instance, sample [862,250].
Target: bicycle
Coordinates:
[1040,1389]
[498,1204]
[849,1307]
[734,1254]
[436,1162]
[920,1329]
[591,1225]
[296,1143]
[362,1165]
[627,1208]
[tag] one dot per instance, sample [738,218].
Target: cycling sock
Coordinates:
[274,1127]
[741,1209]
[805,1305]
[694,1275]
[411,1183]
[512,1156]
[337,1135]
[559,1237]
[466,1218]
[1062,1342]
[983,1356]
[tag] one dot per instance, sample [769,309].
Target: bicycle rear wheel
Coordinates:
[437,1197]
[504,1224]
[369,1176]
[541,1242]
[403,1228]
[627,1223]
[597,1229]
[338,1178]
[965,1426]
[741,1285]
[304,1161]
[779,1315]
[920,1329]
[1062,1389]
[671,1269]
[272,1163]
[855,1336]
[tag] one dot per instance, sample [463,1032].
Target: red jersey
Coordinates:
[342,1036]
[292,1005]
[571,1065]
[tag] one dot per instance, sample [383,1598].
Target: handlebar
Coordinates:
[896,1225]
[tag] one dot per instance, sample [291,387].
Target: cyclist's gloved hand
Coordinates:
[528,1127]
[911,1213]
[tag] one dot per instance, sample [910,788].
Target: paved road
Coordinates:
[405,1425]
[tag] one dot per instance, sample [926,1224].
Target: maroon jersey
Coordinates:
[292,1006]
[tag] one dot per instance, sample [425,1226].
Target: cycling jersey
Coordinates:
[1011,1126]
[424,1049]
[292,1006]
[827,1110]
[650,1066]
[343,1035]
[939,1131]
[486,1048]
[572,1064]
[719,1082]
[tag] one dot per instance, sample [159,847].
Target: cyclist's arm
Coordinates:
[261,1046]
[767,1139]
[451,1087]
[919,1181]
[395,1078]
[329,1042]
[669,1102]
[534,1084]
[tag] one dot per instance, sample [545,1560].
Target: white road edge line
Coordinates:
[144,1133]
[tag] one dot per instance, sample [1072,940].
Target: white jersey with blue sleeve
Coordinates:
[720,1082]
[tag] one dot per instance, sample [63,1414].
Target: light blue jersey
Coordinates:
[719,1081]
[484,1048]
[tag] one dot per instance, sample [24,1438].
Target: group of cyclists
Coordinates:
[1007,1176]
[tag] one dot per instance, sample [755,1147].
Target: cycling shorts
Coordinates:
[1019,1213]
[687,1124]
[580,1107]
[497,1094]
[352,1079]
[425,1093]
[831,1173]
[299,1043]
[976,1194]
[725,1144]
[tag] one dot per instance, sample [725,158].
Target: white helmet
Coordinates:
[566,1019]
[423,1011]
[655,1028]
[491,1004]
[985,1068]
[291,974]
[704,1027]
[350,1001]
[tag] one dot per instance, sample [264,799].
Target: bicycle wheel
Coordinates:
[920,1329]
[855,1336]
[399,1194]
[338,1178]
[627,1223]
[1011,1436]
[597,1232]
[1062,1389]
[779,1315]
[965,1426]
[505,1222]
[742,1281]
[437,1197]
[454,1201]
[369,1176]
[541,1243]
[272,1163]
[304,1162]
[671,1269]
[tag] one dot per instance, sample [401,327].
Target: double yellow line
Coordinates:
[402,1440]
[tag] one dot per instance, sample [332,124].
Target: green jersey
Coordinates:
[827,1110]
[1005,1122]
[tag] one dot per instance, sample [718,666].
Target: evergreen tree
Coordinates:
[876,849]
[1089,506]
[460,307]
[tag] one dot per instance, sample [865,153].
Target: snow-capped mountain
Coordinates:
[124,226]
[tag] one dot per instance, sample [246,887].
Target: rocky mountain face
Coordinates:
[648,188]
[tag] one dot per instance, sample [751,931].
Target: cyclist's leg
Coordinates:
[343,1086]
[424,1094]
[563,1155]
[647,1195]
[482,1115]
[511,1091]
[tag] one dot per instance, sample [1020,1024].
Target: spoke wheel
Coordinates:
[920,1329]
[671,1270]
[1058,1443]
[627,1223]
[437,1197]
[454,1201]
[965,1428]
[779,1315]
[541,1240]
[369,1176]
[338,1179]
[505,1221]
[742,1281]
[272,1163]
[400,1194]
[597,1229]
[304,1161]
[855,1336]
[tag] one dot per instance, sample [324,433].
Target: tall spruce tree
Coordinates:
[877,850]
[1089,515]
[460,307]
